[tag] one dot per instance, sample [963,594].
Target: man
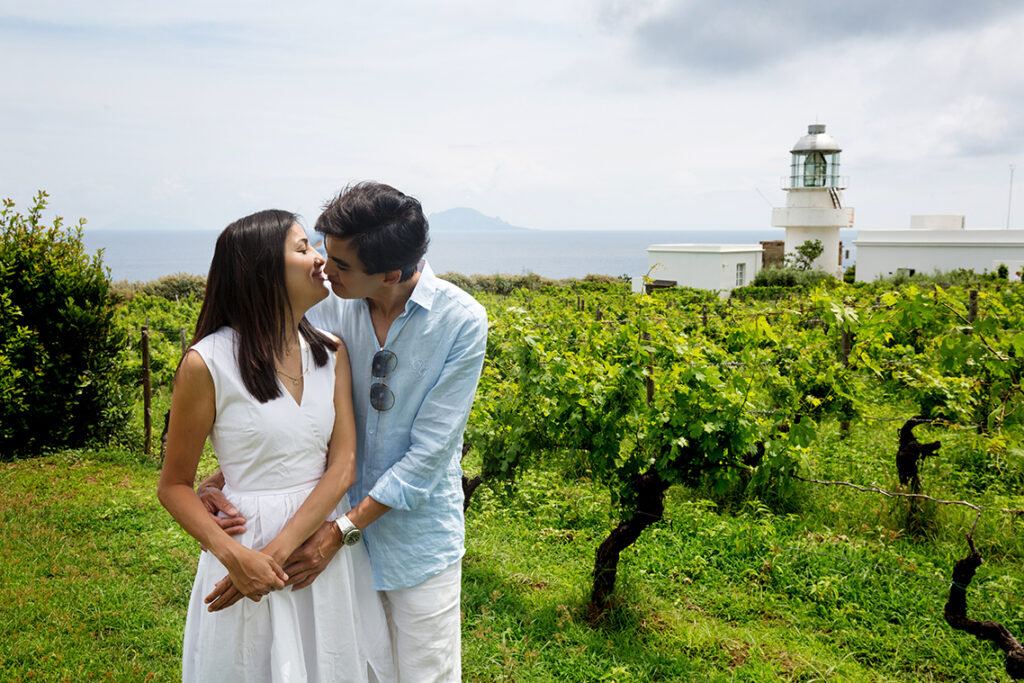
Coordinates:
[416,346]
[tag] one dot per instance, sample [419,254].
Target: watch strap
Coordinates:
[350,533]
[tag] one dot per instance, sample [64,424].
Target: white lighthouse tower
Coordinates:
[814,193]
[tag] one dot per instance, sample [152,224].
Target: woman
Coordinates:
[274,396]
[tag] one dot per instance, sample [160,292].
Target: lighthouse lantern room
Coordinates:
[814,209]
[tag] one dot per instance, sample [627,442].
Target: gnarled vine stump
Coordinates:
[650,506]
[956,615]
[469,484]
[911,452]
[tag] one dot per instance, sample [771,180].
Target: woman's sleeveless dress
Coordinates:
[272,455]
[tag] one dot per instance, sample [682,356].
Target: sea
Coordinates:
[144,255]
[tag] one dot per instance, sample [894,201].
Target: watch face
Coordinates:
[353,537]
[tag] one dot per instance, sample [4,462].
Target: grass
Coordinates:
[95,576]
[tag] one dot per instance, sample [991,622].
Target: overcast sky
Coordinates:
[551,114]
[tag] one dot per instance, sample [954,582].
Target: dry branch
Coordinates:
[874,488]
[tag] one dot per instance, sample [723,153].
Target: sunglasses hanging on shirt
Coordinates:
[384,363]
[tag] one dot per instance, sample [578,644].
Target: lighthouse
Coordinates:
[814,198]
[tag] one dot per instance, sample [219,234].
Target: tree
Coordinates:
[805,255]
[61,370]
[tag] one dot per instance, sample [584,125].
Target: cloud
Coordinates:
[740,35]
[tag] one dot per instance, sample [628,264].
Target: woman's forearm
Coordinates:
[319,504]
[184,505]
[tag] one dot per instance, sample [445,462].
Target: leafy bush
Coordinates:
[61,364]
[503,283]
[685,295]
[764,293]
[172,287]
[177,286]
[499,283]
[958,277]
[788,277]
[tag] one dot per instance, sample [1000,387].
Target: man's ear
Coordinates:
[392,277]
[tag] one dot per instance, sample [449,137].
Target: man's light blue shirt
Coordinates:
[408,457]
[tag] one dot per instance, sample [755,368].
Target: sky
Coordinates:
[550,114]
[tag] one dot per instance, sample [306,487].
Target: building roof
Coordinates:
[706,248]
[816,140]
[951,238]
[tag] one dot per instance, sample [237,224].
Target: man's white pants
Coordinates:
[426,628]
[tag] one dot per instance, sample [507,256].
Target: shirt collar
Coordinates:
[426,287]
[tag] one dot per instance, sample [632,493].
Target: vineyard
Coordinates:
[805,472]
[640,394]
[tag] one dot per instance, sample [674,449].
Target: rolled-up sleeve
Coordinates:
[439,423]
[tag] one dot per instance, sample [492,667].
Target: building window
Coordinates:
[741,274]
[814,170]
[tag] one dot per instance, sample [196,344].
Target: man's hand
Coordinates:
[312,557]
[215,501]
[223,595]
[252,575]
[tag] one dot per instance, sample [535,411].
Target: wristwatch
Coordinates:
[350,533]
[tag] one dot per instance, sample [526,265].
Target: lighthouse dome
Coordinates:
[816,140]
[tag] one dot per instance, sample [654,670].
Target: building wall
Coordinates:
[828,261]
[881,253]
[774,253]
[703,268]
[812,214]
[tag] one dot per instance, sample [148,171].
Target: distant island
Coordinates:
[462,218]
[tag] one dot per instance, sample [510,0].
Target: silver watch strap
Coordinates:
[345,525]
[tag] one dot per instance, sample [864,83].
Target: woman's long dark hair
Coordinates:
[245,290]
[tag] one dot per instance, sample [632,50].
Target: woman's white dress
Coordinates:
[272,455]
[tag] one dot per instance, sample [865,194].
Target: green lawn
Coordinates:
[95,577]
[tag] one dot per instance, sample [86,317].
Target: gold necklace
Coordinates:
[295,380]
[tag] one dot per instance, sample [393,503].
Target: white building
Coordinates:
[719,267]
[937,243]
[814,199]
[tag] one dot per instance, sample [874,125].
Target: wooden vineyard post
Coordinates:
[650,374]
[846,345]
[147,417]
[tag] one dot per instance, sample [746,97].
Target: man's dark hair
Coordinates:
[387,228]
[245,290]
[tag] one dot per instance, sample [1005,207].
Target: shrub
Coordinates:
[775,276]
[958,277]
[763,293]
[176,287]
[125,290]
[61,363]
[503,283]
